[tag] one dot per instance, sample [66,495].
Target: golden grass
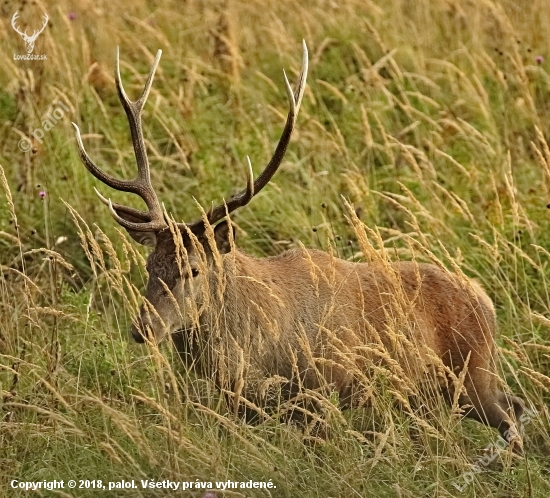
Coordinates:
[430,118]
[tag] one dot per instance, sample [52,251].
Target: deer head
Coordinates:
[29,40]
[183,253]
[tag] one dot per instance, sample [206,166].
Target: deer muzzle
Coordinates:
[137,335]
[141,330]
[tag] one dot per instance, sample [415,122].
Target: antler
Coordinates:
[36,33]
[13,19]
[253,187]
[153,219]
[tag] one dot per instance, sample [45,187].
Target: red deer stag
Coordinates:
[303,316]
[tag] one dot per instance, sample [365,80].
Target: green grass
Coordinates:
[422,114]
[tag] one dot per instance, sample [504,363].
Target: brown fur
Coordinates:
[285,316]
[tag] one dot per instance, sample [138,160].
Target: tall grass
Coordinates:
[430,117]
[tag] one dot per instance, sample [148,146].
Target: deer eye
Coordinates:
[194,272]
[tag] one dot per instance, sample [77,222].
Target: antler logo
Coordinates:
[29,40]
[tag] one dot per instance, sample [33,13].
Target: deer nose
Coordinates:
[139,333]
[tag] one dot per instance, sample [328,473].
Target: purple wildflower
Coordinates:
[539,59]
[72,16]
[209,494]
[42,194]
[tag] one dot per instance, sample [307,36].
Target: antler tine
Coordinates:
[302,80]
[122,185]
[249,182]
[153,219]
[135,213]
[16,28]
[243,197]
[44,24]
[133,112]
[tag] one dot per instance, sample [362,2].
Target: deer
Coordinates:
[28,39]
[304,318]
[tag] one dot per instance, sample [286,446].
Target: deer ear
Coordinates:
[222,234]
[143,238]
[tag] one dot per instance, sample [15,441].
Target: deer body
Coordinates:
[304,317]
[281,312]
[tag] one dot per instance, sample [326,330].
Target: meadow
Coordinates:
[423,134]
